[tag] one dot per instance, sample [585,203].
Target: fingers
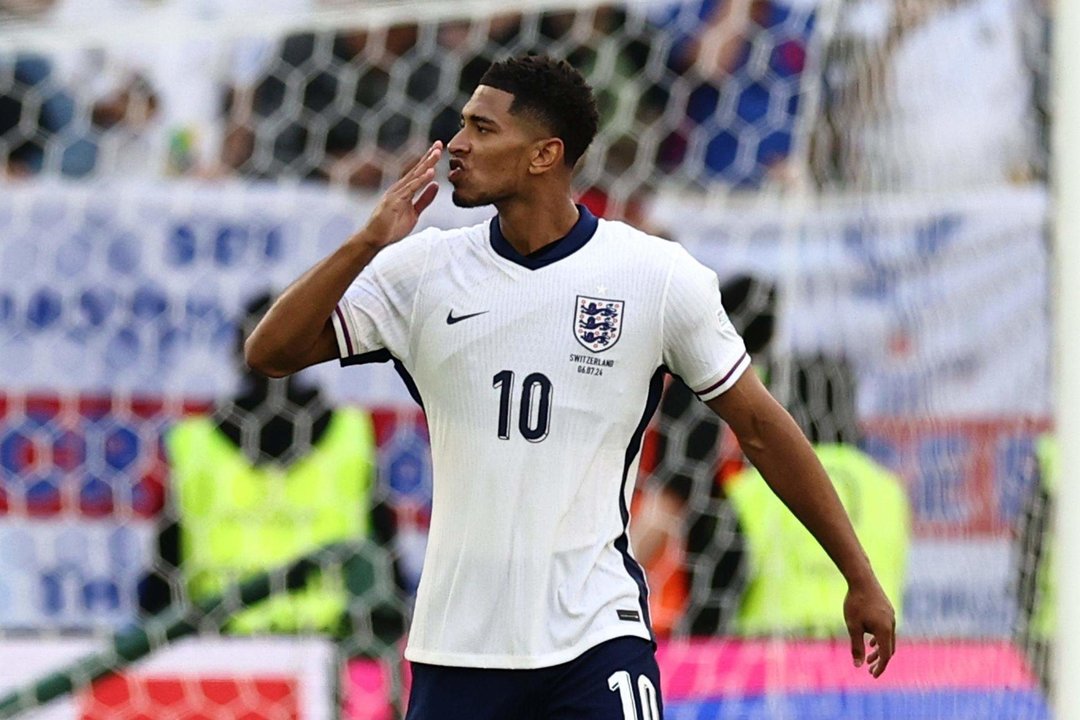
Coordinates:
[885,647]
[425,198]
[880,667]
[422,172]
[858,651]
[875,652]
[409,189]
[870,620]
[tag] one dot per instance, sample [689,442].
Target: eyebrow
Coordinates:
[478,119]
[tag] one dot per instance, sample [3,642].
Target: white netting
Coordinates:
[353,105]
[878,164]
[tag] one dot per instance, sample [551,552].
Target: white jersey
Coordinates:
[538,375]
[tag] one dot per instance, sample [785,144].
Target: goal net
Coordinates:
[866,177]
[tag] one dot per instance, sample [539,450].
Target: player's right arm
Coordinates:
[297,330]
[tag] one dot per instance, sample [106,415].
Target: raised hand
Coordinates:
[399,208]
[868,612]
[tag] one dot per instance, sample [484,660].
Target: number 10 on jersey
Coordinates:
[622,683]
[534,405]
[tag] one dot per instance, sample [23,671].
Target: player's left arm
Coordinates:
[774,443]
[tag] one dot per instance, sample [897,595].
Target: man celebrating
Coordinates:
[537,344]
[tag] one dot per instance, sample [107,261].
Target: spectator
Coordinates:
[1038,26]
[338,107]
[157,108]
[39,122]
[273,474]
[927,95]
[38,113]
[24,8]
[331,107]
[742,61]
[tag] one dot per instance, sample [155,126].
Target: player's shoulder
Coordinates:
[421,245]
[633,240]
[432,236]
[642,246]
[461,232]
[438,239]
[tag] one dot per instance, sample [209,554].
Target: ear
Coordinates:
[547,154]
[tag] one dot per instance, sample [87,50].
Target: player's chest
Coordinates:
[588,324]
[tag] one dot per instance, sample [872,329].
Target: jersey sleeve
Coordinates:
[700,344]
[376,314]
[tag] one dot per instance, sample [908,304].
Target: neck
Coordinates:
[529,225]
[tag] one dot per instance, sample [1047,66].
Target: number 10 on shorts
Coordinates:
[622,683]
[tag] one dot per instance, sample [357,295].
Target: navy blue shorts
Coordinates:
[616,680]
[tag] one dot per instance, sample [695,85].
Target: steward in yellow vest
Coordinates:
[792,586]
[274,474]
[1036,582]
[238,517]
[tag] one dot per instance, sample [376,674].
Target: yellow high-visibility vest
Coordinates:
[1044,615]
[237,518]
[793,585]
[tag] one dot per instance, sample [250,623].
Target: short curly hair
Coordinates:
[553,92]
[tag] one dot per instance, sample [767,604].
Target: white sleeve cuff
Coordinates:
[346,339]
[723,383]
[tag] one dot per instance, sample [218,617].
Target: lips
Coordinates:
[457,169]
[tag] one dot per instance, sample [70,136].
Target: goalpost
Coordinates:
[1066,228]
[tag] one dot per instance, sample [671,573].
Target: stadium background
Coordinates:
[165,161]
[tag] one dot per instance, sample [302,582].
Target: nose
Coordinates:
[457,144]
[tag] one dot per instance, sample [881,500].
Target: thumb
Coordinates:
[858,648]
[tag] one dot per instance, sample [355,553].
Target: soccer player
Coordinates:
[537,344]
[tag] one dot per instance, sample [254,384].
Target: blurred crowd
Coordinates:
[867,95]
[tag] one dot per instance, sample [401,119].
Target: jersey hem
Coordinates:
[524,662]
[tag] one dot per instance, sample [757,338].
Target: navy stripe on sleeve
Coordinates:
[349,347]
[724,379]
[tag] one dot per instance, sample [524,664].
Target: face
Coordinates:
[490,156]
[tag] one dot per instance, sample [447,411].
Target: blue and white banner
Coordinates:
[136,288]
[74,574]
[941,303]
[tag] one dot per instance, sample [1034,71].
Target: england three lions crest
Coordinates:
[598,322]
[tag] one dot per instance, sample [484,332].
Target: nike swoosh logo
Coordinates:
[450,319]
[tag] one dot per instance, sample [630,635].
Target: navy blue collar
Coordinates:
[581,233]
